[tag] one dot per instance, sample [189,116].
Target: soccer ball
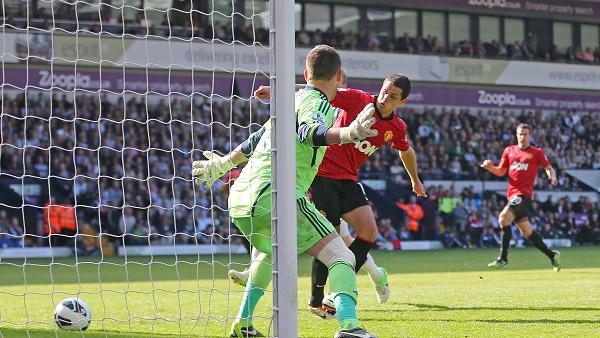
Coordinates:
[72,314]
[329,305]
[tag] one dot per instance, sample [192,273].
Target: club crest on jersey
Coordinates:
[519,166]
[318,118]
[388,136]
[529,156]
[365,147]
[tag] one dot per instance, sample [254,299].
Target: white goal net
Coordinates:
[104,106]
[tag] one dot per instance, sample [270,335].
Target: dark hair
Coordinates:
[401,81]
[524,126]
[323,62]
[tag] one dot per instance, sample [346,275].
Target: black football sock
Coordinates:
[538,242]
[506,235]
[360,248]
[318,279]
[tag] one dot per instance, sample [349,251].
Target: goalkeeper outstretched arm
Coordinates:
[215,166]
[317,134]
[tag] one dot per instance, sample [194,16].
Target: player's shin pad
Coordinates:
[260,271]
[260,277]
[340,261]
[342,279]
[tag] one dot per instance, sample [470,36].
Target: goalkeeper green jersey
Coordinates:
[251,193]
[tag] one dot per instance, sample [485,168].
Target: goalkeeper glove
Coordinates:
[359,129]
[210,171]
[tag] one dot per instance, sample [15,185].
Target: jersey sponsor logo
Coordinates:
[519,166]
[515,200]
[365,147]
[388,136]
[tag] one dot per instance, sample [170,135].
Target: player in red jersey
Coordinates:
[521,161]
[336,191]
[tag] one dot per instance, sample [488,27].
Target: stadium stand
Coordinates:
[200,27]
[451,148]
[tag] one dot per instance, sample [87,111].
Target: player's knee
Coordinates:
[525,230]
[368,232]
[335,252]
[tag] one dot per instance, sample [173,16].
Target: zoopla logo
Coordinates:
[65,81]
[499,99]
[488,3]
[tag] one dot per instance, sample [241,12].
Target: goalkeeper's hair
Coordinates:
[401,81]
[322,62]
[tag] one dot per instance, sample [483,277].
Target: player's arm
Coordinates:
[496,170]
[312,130]
[264,92]
[346,98]
[215,166]
[551,173]
[502,167]
[409,160]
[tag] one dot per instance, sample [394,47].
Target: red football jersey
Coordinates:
[522,168]
[342,161]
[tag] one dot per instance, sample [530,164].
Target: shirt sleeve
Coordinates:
[311,121]
[351,100]
[543,160]
[249,145]
[400,141]
[504,162]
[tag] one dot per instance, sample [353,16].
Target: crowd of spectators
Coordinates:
[124,163]
[451,143]
[522,50]
[181,25]
[469,219]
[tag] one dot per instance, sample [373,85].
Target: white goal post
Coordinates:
[285,274]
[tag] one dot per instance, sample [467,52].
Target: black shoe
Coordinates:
[354,333]
[556,261]
[239,331]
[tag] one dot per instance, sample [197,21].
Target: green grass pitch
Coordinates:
[447,293]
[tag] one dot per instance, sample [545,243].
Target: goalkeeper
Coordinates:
[336,192]
[250,196]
